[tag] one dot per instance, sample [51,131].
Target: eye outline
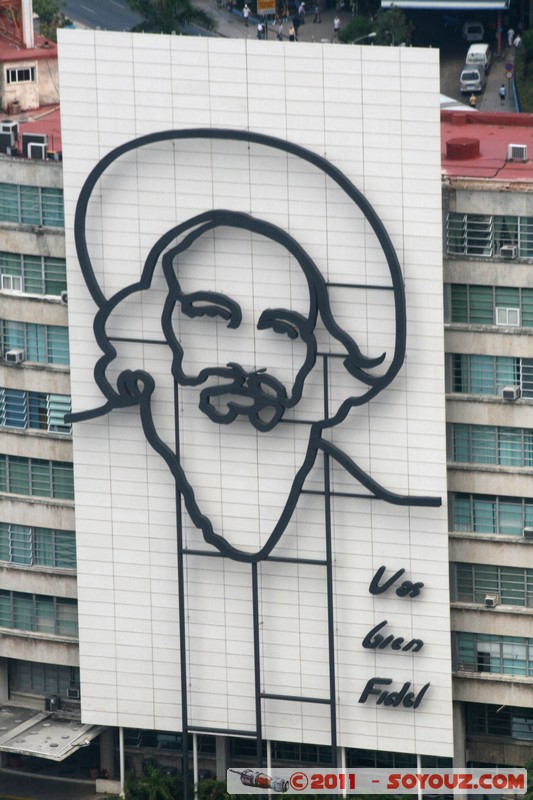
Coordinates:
[283,321]
[219,305]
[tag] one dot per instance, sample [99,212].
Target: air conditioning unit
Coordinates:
[73,694]
[528,533]
[7,126]
[52,703]
[64,298]
[31,138]
[511,392]
[14,356]
[38,150]
[517,152]
[491,600]
[464,666]
[509,251]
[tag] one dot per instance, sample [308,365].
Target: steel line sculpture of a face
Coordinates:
[232,391]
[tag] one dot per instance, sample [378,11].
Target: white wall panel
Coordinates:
[357,108]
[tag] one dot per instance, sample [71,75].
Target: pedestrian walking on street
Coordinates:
[260,31]
[245,14]
[301,12]
[279,35]
[317,13]
[473,100]
[336,28]
[510,37]
[517,40]
[292,34]
[502,94]
[296,22]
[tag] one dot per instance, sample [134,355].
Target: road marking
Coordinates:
[92,11]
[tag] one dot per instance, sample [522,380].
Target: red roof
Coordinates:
[9,51]
[475,145]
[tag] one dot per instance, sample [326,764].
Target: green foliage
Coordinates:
[50,16]
[524,77]
[155,784]
[170,16]
[356,28]
[392,27]
[48,10]
[211,789]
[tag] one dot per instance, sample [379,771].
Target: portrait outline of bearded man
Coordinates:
[232,392]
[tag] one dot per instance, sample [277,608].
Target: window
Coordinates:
[22,544]
[32,612]
[491,720]
[484,235]
[11,283]
[20,74]
[502,655]
[300,753]
[36,477]
[471,582]
[42,679]
[491,305]
[507,316]
[487,514]
[486,444]
[139,738]
[487,375]
[31,205]
[36,410]
[356,757]
[42,344]
[469,234]
[33,274]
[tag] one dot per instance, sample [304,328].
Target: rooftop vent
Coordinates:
[517,152]
[463,148]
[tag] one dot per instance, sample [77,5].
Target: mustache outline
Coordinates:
[249,385]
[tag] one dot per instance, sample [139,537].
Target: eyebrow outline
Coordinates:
[284,321]
[220,305]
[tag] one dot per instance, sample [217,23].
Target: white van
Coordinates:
[473,32]
[479,55]
[472,79]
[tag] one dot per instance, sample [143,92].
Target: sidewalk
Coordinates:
[231,24]
[490,100]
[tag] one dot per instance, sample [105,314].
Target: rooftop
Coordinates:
[473,145]
[12,52]
[477,145]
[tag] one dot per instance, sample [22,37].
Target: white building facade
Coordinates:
[260,454]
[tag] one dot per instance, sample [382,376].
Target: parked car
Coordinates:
[473,32]
[472,79]
[479,55]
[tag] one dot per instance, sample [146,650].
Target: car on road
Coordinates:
[472,79]
[479,55]
[473,31]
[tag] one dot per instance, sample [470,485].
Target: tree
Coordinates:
[50,16]
[170,16]
[356,28]
[392,27]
